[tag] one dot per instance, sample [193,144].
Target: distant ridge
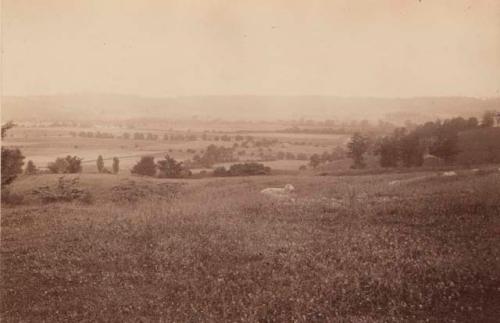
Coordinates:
[111,106]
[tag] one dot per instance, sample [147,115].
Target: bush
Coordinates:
[146,166]
[67,190]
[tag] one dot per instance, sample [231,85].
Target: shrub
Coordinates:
[146,166]
[67,190]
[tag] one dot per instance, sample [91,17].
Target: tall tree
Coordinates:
[100,164]
[30,168]
[314,160]
[12,159]
[357,147]
[116,165]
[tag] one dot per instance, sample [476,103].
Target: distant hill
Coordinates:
[110,106]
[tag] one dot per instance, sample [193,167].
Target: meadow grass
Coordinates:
[348,249]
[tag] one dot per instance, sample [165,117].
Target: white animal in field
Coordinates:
[475,170]
[449,174]
[394,182]
[279,192]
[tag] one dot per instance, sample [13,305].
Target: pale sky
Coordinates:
[382,48]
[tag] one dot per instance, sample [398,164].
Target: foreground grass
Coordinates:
[348,249]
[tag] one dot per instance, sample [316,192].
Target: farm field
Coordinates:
[44,145]
[347,249]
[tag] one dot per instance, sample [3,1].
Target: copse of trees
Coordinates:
[245,169]
[316,159]
[66,165]
[170,168]
[138,136]
[265,142]
[438,138]
[90,134]
[165,168]
[214,154]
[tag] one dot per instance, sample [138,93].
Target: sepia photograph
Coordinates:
[250,161]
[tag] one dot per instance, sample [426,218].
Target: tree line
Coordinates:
[407,147]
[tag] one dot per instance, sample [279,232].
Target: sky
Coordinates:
[376,48]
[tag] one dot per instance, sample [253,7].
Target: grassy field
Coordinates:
[347,249]
[44,145]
